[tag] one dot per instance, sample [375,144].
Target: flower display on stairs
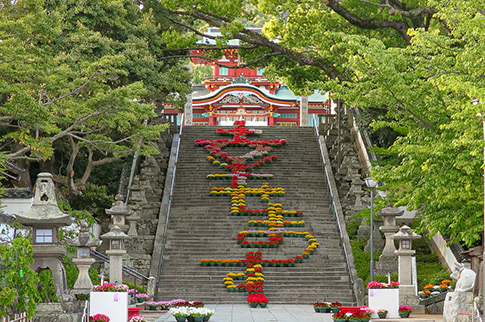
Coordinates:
[241,169]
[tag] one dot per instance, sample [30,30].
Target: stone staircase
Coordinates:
[201,226]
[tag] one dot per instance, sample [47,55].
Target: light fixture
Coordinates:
[371,184]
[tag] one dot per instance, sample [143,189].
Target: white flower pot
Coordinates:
[384,299]
[112,304]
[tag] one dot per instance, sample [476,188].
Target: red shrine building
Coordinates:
[245,94]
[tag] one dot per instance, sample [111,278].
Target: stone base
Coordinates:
[59,312]
[434,304]
[456,305]
[386,264]
[407,296]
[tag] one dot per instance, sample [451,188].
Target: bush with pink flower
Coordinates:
[137,318]
[375,284]
[99,318]
[110,287]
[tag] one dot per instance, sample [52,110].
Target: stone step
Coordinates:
[200,226]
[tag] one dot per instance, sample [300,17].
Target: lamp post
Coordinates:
[476,102]
[371,184]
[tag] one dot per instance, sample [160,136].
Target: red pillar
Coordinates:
[271,119]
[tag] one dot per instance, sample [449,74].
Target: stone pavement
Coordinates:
[274,313]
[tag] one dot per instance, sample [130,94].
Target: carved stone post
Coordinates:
[46,218]
[115,252]
[388,260]
[83,260]
[406,288]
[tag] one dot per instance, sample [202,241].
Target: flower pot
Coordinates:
[334,309]
[198,318]
[404,314]
[382,315]
[263,305]
[206,318]
[325,309]
[180,318]
[253,304]
[190,319]
[140,300]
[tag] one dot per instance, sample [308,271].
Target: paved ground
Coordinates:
[273,313]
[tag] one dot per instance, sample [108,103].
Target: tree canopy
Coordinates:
[417,64]
[81,77]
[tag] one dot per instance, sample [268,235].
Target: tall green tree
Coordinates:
[416,64]
[82,77]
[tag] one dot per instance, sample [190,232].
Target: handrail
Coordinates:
[335,204]
[169,205]
[85,316]
[125,269]
[477,311]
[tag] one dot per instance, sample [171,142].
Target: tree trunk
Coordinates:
[24,180]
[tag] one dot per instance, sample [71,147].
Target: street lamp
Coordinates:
[476,102]
[371,184]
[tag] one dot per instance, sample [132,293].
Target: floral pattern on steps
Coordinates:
[241,169]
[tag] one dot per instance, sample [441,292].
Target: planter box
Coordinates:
[384,299]
[112,304]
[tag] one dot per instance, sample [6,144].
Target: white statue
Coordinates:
[466,278]
[461,300]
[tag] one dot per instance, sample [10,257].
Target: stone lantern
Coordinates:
[45,218]
[115,252]
[118,213]
[137,193]
[132,219]
[406,288]
[83,260]
[388,260]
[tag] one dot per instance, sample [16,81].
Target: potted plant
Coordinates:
[334,307]
[206,313]
[382,313]
[137,318]
[362,315]
[405,311]
[107,292]
[443,288]
[180,313]
[99,318]
[151,305]
[263,301]
[141,297]
[339,317]
[196,315]
[322,307]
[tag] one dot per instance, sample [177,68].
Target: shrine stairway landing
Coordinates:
[201,226]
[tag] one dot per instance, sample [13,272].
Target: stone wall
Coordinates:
[346,165]
[59,312]
[145,200]
[349,171]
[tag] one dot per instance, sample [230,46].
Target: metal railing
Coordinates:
[476,316]
[169,202]
[85,317]
[335,205]
[125,269]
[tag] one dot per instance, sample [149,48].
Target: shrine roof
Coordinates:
[285,92]
[216,32]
